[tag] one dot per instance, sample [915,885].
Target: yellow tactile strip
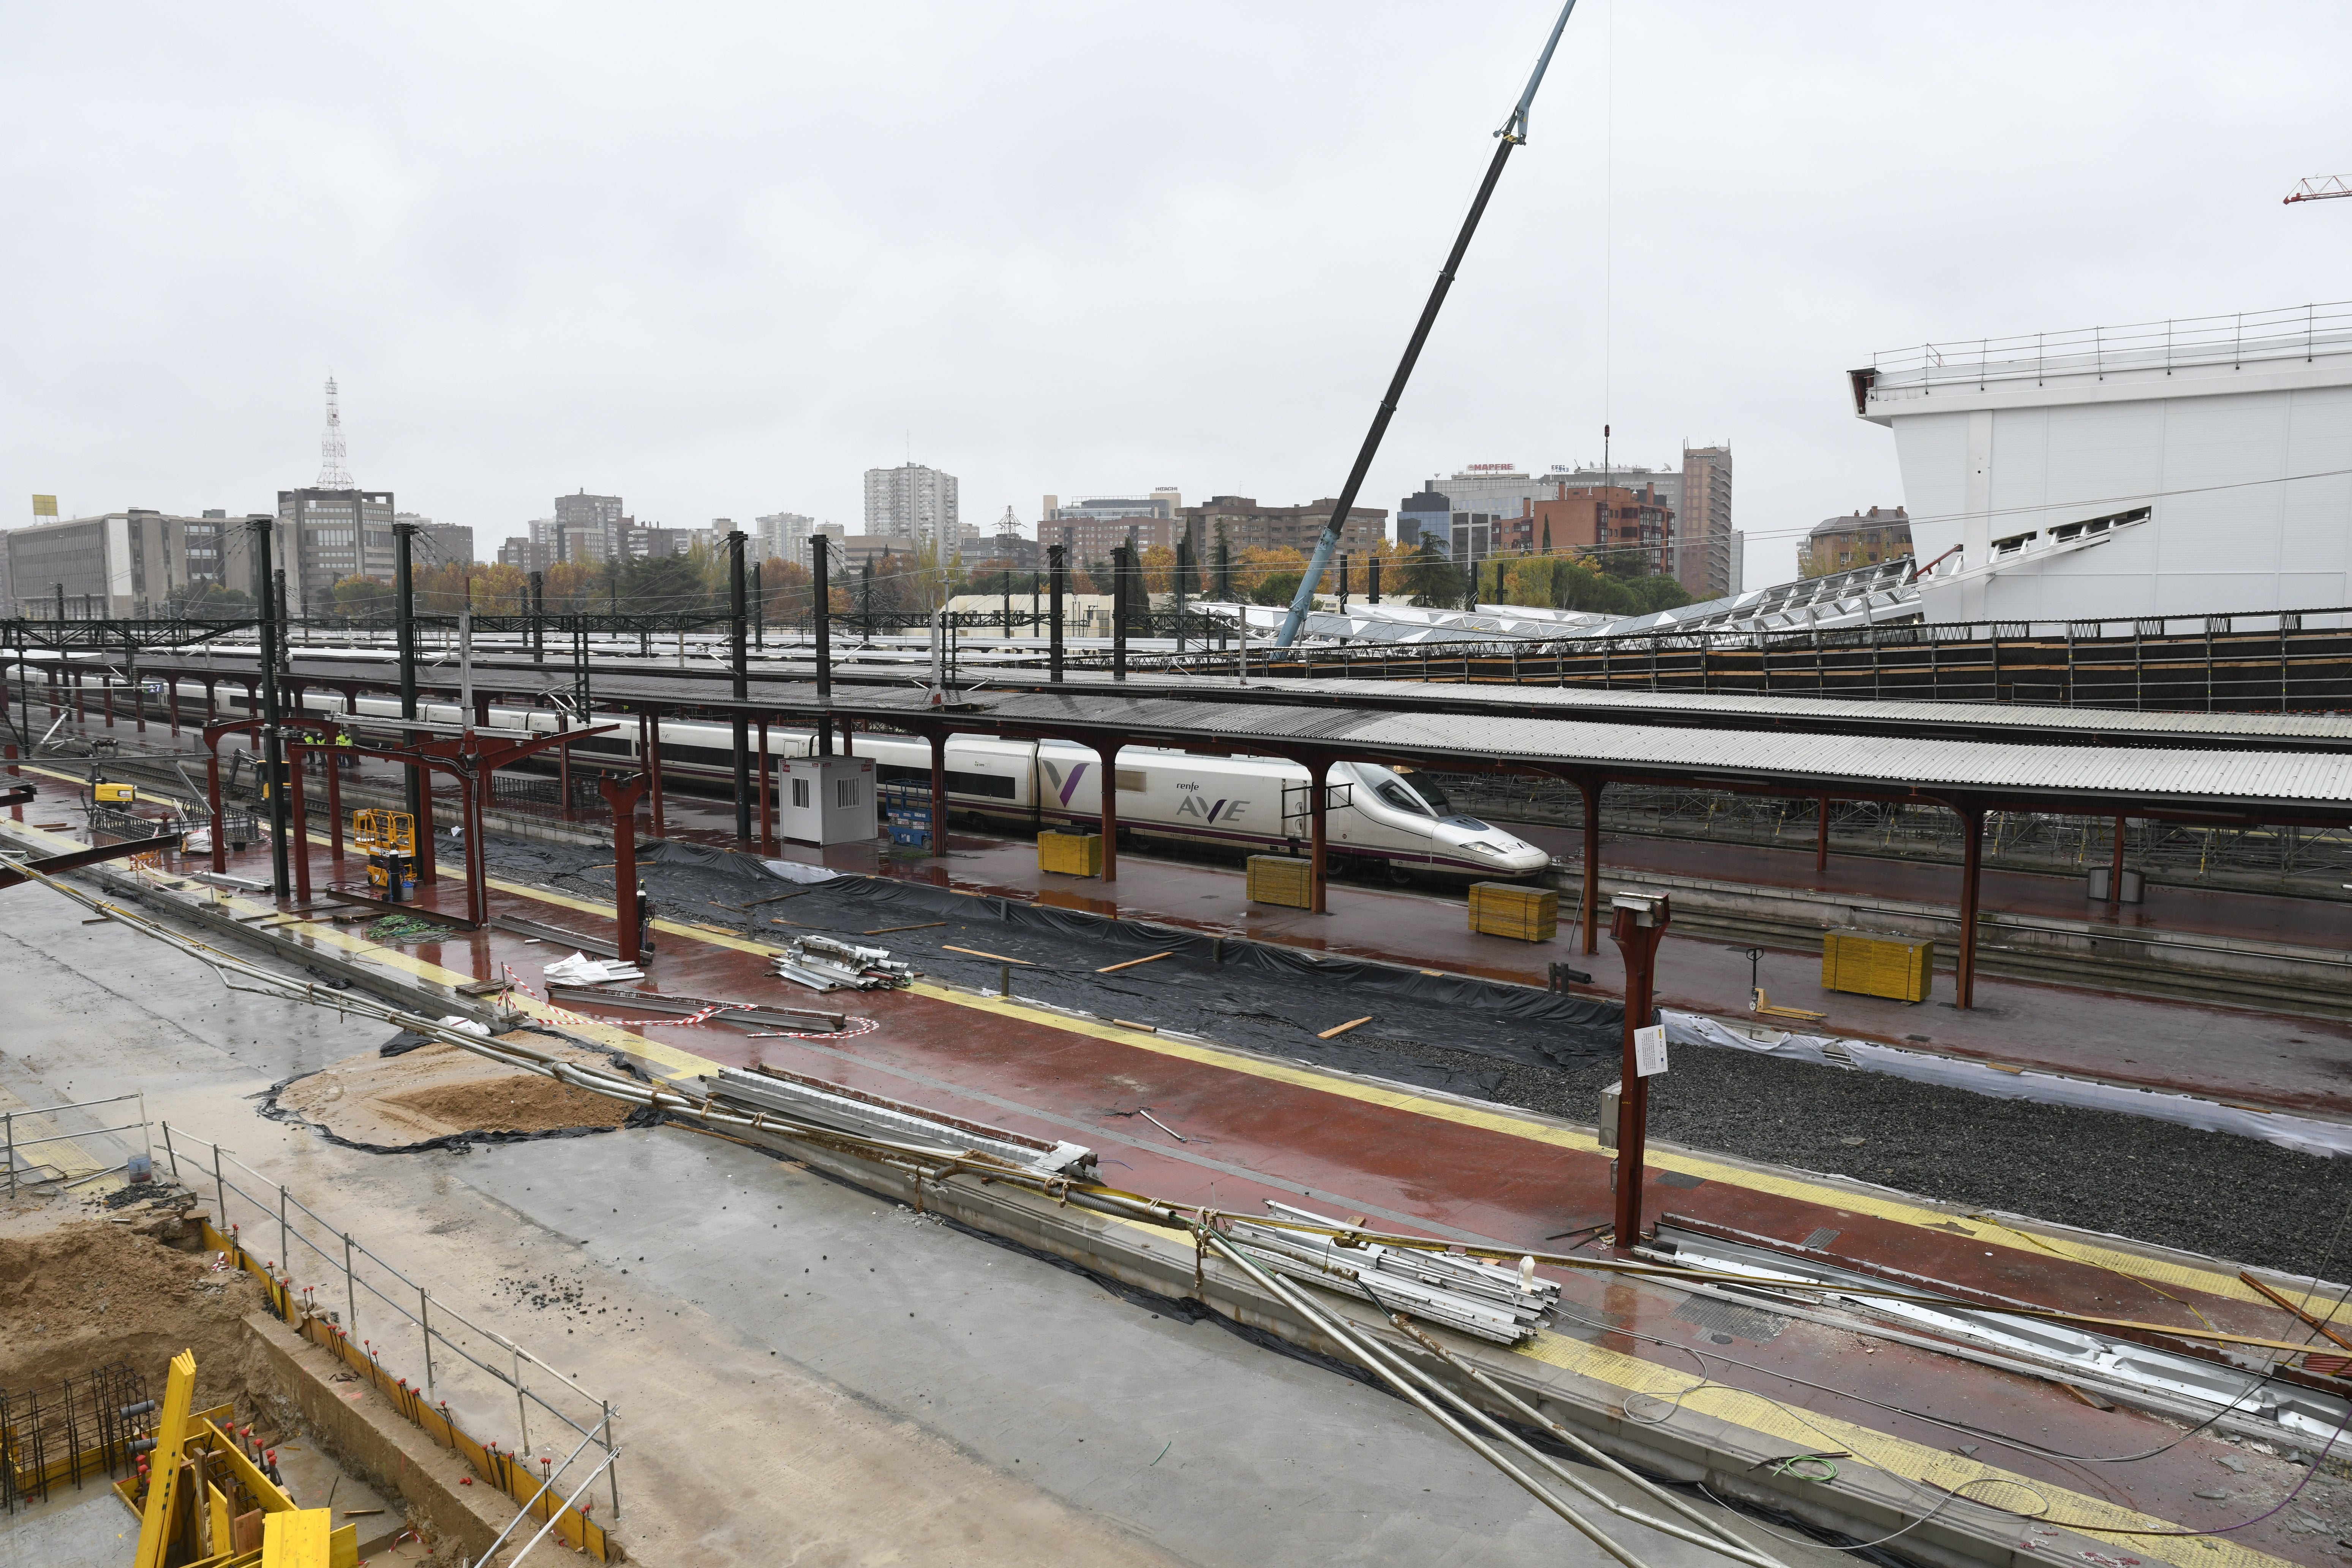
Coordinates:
[1893,1209]
[1631,1374]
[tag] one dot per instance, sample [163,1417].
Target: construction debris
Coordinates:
[1499,1304]
[698,1009]
[581,970]
[824,964]
[853,1110]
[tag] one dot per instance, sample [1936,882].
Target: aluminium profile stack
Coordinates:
[871,1116]
[1460,1293]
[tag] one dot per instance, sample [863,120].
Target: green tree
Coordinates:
[364,599]
[1429,576]
[1278,587]
[211,601]
[664,585]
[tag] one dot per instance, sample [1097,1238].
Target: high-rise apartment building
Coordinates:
[912,501]
[1704,544]
[782,535]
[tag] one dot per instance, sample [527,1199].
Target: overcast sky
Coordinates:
[719,260]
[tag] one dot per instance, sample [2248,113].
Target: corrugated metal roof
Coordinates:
[1873,762]
[1960,716]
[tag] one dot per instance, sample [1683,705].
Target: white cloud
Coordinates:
[722,259]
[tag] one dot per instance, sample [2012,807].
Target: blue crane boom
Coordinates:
[1514,132]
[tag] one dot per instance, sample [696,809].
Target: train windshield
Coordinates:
[1418,795]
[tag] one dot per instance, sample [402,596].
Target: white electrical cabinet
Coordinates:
[825,800]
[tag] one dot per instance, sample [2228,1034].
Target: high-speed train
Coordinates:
[1378,820]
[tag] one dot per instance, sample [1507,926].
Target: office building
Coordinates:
[2171,469]
[1866,539]
[119,565]
[1426,514]
[326,535]
[437,542]
[912,501]
[1166,501]
[1241,523]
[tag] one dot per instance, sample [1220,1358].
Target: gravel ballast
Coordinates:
[2210,1193]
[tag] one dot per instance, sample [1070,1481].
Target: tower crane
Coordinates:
[2322,188]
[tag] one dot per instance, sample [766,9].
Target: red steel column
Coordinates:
[1971,869]
[297,824]
[212,793]
[1109,784]
[622,793]
[2116,875]
[1591,916]
[1821,837]
[1639,943]
[1317,840]
[175,708]
[939,794]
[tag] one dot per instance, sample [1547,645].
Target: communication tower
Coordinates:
[333,473]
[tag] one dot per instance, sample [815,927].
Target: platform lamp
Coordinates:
[1637,921]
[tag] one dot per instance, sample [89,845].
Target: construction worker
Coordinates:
[644,921]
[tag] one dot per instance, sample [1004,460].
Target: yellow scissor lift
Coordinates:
[203,1503]
[388,840]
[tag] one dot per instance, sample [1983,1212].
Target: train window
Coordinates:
[958,782]
[1403,798]
[608,748]
[698,756]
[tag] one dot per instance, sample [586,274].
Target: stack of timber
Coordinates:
[1281,880]
[1506,909]
[1878,964]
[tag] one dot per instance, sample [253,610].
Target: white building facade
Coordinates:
[2172,468]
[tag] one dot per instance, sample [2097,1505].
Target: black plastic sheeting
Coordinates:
[1257,996]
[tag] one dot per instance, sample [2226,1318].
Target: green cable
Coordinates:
[1787,1468]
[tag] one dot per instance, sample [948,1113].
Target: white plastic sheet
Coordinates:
[2302,1133]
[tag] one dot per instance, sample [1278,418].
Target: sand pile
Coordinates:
[89,1292]
[437,1091]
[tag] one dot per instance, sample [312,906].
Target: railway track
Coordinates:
[2325,991]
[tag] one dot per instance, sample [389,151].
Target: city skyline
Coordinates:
[1706,273]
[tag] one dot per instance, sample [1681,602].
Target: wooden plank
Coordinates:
[975,953]
[1343,1028]
[1130,964]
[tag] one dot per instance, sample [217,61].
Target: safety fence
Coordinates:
[384,1317]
